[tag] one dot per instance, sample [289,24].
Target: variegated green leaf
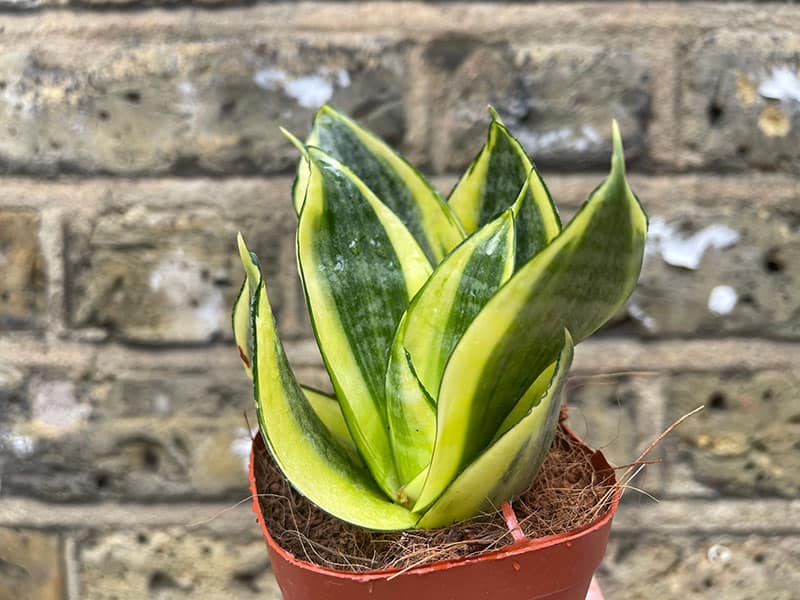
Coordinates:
[507,467]
[410,411]
[493,183]
[330,413]
[399,185]
[241,327]
[437,317]
[360,268]
[303,171]
[577,282]
[325,406]
[243,306]
[306,452]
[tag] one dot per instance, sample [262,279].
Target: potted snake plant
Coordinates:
[447,328]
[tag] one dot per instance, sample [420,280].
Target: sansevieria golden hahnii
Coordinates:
[447,326]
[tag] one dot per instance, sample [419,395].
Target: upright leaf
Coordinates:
[399,185]
[502,175]
[577,282]
[326,407]
[410,412]
[507,467]
[315,464]
[437,317]
[330,413]
[360,268]
[242,332]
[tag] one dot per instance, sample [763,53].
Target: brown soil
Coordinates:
[566,494]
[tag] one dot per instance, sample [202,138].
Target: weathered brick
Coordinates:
[143,458]
[725,270]
[602,411]
[740,100]
[715,566]
[620,415]
[30,565]
[172,276]
[205,392]
[144,106]
[557,99]
[22,282]
[12,392]
[745,442]
[174,563]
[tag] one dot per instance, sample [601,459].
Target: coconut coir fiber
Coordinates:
[566,494]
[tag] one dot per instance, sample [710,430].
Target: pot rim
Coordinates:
[514,549]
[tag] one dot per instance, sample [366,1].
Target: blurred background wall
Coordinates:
[135,140]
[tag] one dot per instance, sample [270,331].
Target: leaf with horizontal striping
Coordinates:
[507,467]
[435,320]
[502,175]
[304,449]
[577,282]
[360,268]
[398,185]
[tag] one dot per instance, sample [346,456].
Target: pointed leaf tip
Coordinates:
[295,141]
[495,115]
[250,263]
[618,153]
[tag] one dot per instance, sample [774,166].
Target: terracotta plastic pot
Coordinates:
[556,567]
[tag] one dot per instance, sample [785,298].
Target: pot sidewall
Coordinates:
[558,567]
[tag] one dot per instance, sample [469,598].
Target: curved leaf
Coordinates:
[325,406]
[330,413]
[435,320]
[399,185]
[577,282]
[502,175]
[315,464]
[360,267]
[303,171]
[410,412]
[507,467]
[241,316]
[240,319]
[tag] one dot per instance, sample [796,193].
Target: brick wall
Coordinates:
[135,141]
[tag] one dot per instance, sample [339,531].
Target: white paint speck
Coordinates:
[675,250]
[155,281]
[547,139]
[783,84]
[310,92]
[241,445]
[343,78]
[209,310]
[178,279]
[588,137]
[580,140]
[20,445]
[636,312]
[722,300]
[55,405]
[161,403]
[269,79]
[719,553]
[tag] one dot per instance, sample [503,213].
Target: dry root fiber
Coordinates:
[566,494]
